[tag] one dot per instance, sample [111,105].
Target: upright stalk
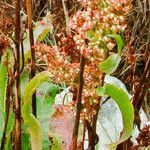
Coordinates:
[93,138]
[18,97]
[30,26]
[66,17]
[79,105]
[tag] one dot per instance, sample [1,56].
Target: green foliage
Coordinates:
[40,32]
[46,94]
[3,86]
[10,123]
[43,35]
[26,145]
[33,124]
[118,40]
[56,142]
[126,108]
[110,64]
[3,82]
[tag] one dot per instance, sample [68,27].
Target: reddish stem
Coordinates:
[79,105]
[30,26]
[18,99]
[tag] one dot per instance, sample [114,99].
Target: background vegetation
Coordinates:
[74,74]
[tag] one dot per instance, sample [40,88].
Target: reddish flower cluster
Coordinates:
[88,37]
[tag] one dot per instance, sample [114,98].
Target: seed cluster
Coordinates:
[90,27]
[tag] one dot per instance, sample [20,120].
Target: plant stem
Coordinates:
[30,26]
[18,98]
[79,105]
[92,138]
[66,17]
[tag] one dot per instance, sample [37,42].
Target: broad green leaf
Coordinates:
[3,82]
[3,86]
[46,94]
[33,124]
[118,40]
[25,138]
[110,64]
[126,108]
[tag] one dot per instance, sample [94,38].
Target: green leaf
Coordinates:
[118,40]
[110,64]
[10,123]
[8,143]
[3,82]
[46,94]
[43,35]
[126,108]
[100,91]
[27,56]
[42,29]
[3,86]
[10,126]
[25,138]
[33,124]
[24,79]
